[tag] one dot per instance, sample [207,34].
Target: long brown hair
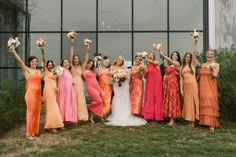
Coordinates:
[190,63]
[30,59]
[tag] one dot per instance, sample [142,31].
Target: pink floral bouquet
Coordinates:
[12,41]
[157,46]
[71,35]
[87,42]
[40,42]
[118,76]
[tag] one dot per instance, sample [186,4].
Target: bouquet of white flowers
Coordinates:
[87,42]
[195,34]
[142,54]
[71,34]
[14,42]
[40,42]
[58,70]
[118,76]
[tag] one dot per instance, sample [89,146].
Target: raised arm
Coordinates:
[24,68]
[156,63]
[175,63]
[72,42]
[43,58]
[194,58]
[86,58]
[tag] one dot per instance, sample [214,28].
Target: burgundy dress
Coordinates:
[93,89]
[153,106]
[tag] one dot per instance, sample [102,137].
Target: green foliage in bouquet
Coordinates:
[12,104]
[226,81]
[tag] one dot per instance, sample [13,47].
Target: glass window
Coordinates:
[52,47]
[183,42]
[114,15]
[186,14]
[79,15]
[150,15]
[11,74]
[144,42]
[45,15]
[79,47]
[114,45]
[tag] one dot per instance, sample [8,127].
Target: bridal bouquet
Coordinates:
[40,42]
[12,42]
[58,70]
[71,34]
[87,42]
[157,46]
[118,76]
[195,34]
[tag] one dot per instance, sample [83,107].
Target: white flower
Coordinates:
[40,42]
[195,34]
[58,70]
[144,54]
[139,53]
[87,42]
[14,42]
[71,34]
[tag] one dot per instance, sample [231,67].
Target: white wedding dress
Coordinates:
[121,112]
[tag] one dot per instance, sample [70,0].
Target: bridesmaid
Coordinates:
[136,86]
[65,95]
[189,87]
[172,99]
[32,95]
[53,118]
[76,71]
[96,106]
[209,108]
[153,105]
[104,83]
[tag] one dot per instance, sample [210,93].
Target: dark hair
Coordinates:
[93,67]
[30,59]
[105,57]
[62,61]
[50,61]
[190,63]
[178,55]
[73,63]
[153,55]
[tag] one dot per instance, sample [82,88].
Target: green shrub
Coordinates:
[12,104]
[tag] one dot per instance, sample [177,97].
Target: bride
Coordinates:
[121,110]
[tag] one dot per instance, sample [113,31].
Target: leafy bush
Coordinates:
[226,81]
[12,104]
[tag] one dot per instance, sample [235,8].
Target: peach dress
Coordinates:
[33,103]
[53,118]
[80,101]
[136,91]
[106,91]
[209,108]
[191,100]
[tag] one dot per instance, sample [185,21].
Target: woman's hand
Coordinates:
[72,42]
[12,48]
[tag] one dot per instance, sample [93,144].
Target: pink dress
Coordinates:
[65,97]
[93,89]
[153,106]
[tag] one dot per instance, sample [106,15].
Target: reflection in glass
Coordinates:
[150,15]
[52,47]
[45,15]
[79,47]
[186,14]
[114,45]
[114,15]
[79,15]
[183,43]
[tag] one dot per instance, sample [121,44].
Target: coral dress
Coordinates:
[106,91]
[191,100]
[93,89]
[136,91]
[65,97]
[53,118]
[209,109]
[172,99]
[33,103]
[80,101]
[153,105]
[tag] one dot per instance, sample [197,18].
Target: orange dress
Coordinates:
[106,91]
[53,117]
[136,92]
[79,95]
[209,109]
[33,103]
[191,100]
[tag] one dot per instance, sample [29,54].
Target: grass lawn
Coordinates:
[99,140]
